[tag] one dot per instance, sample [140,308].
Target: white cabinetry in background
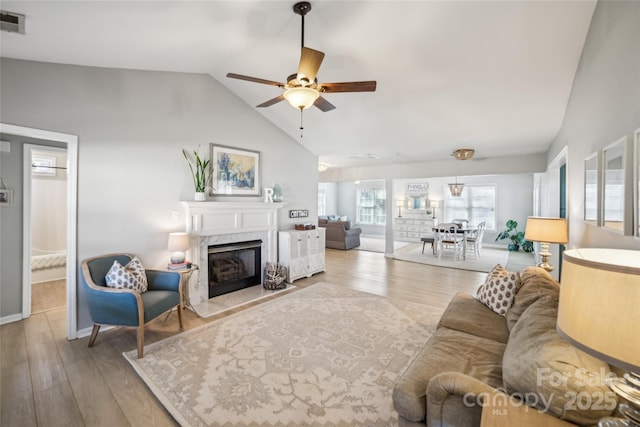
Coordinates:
[302,252]
[412,229]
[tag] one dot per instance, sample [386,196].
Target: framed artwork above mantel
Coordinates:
[236,171]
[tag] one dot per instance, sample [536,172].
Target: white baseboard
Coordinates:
[87,331]
[10,319]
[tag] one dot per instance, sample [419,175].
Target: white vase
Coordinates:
[199,196]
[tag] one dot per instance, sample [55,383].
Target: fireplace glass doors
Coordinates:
[234,266]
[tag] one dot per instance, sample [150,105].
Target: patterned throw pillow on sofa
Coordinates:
[131,276]
[499,289]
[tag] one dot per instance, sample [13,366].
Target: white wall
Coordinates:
[346,200]
[604,106]
[132,126]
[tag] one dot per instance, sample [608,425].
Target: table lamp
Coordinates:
[598,313]
[399,204]
[434,204]
[545,231]
[178,243]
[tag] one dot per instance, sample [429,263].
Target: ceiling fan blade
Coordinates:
[366,86]
[254,79]
[310,61]
[324,105]
[271,102]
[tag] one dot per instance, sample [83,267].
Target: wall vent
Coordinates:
[12,22]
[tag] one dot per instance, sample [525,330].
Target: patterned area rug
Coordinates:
[489,257]
[321,356]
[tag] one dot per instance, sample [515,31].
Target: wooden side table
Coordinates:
[185,277]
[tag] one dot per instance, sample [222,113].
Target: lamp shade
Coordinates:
[599,310]
[178,242]
[301,97]
[434,203]
[548,230]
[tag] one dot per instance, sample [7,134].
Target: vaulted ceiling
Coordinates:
[490,75]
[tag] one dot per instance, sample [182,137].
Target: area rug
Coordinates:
[489,257]
[321,356]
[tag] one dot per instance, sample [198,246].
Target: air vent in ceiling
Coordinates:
[11,22]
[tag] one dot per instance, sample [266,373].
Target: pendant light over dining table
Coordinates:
[460,154]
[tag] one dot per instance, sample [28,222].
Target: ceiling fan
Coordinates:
[302,89]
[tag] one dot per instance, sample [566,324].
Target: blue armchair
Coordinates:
[126,307]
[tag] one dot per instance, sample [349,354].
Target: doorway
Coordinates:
[69,142]
[45,184]
[562,209]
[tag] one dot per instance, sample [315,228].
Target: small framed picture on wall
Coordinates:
[6,197]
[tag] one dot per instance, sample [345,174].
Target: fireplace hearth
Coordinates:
[234,266]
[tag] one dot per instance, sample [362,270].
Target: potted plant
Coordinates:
[516,237]
[200,173]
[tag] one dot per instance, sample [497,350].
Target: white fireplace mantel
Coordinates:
[212,223]
[208,218]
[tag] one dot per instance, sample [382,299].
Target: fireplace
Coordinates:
[216,223]
[234,266]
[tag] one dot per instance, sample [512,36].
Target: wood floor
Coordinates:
[50,381]
[48,295]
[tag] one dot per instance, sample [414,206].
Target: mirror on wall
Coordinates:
[592,190]
[616,188]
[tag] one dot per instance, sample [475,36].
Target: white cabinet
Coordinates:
[302,252]
[412,229]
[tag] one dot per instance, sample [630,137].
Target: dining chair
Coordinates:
[128,307]
[449,238]
[463,223]
[474,241]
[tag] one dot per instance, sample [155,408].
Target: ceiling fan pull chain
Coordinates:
[301,126]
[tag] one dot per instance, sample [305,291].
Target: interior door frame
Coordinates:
[27,208]
[71,142]
[553,189]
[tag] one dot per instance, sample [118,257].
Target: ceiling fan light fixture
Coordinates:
[301,97]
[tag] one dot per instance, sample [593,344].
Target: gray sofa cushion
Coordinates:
[536,283]
[446,350]
[466,314]
[345,224]
[552,374]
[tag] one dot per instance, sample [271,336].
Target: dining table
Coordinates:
[464,230]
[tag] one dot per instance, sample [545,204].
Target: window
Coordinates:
[476,204]
[322,202]
[371,206]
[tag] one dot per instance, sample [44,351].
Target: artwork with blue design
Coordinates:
[237,171]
